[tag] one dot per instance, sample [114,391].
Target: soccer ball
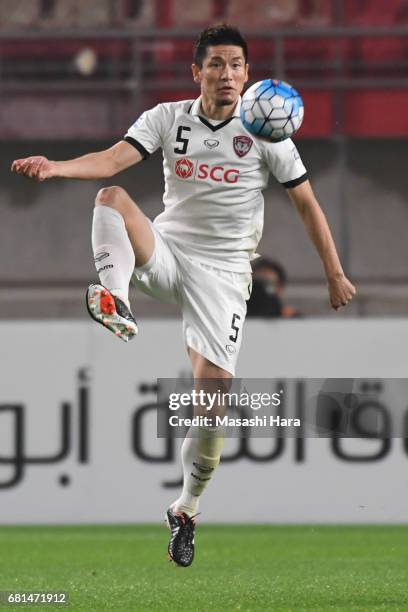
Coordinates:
[272,109]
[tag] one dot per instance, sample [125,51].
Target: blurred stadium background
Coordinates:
[75,74]
[77,435]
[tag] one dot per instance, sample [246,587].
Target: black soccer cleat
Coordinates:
[181,545]
[111,312]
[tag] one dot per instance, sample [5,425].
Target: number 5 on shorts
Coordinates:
[235,318]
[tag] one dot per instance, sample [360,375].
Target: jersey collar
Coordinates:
[195,109]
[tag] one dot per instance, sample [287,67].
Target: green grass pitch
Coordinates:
[247,568]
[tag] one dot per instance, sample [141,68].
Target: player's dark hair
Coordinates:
[221,34]
[263,263]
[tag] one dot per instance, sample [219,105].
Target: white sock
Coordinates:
[113,253]
[200,455]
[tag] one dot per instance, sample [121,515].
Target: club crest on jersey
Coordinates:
[211,143]
[184,168]
[242,145]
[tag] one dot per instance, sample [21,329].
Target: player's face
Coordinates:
[222,75]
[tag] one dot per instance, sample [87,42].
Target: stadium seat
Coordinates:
[312,58]
[136,14]
[379,56]
[315,13]
[16,14]
[373,113]
[381,13]
[83,14]
[55,58]
[319,120]
[263,14]
[187,13]
[261,57]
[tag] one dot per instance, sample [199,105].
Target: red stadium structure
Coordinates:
[350,64]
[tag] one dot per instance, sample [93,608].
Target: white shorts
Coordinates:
[212,301]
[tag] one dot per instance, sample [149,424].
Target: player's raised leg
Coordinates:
[200,454]
[121,239]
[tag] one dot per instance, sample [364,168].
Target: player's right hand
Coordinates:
[36,167]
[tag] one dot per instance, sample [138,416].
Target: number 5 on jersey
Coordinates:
[182,150]
[235,318]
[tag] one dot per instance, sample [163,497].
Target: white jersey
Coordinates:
[214,176]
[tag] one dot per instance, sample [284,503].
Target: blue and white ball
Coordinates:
[272,109]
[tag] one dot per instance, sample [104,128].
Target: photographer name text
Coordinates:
[226,421]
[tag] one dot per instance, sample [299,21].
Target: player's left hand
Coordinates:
[341,291]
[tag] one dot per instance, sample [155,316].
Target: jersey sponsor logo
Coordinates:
[219,174]
[242,145]
[184,168]
[211,143]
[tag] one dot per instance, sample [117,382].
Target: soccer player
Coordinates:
[197,252]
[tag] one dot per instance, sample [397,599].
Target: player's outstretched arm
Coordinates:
[341,290]
[102,164]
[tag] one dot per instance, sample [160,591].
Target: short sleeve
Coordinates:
[146,134]
[284,162]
